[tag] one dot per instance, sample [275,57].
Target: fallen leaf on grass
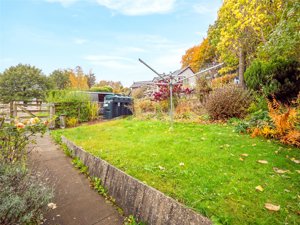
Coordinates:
[52,205]
[280,171]
[245,155]
[253,144]
[295,160]
[259,188]
[241,159]
[181,164]
[298,171]
[263,161]
[272,207]
[161,167]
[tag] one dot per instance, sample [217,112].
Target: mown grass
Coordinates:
[214,179]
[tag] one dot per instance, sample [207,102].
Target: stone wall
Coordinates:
[136,198]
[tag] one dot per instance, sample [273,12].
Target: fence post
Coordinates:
[52,116]
[15,109]
[11,109]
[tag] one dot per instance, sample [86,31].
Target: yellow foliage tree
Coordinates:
[78,80]
[241,27]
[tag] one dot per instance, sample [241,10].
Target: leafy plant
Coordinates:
[130,220]
[277,78]
[72,104]
[15,136]
[227,102]
[78,164]
[93,108]
[97,185]
[164,91]
[72,122]
[23,195]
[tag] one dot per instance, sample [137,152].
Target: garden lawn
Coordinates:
[206,167]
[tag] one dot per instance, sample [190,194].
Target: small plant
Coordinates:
[23,195]
[66,150]
[227,102]
[78,164]
[72,122]
[130,220]
[97,185]
[93,109]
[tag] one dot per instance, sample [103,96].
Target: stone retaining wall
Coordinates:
[136,198]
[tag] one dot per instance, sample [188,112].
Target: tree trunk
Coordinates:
[242,63]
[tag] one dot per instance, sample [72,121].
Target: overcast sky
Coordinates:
[107,36]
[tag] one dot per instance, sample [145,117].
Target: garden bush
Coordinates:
[23,195]
[278,78]
[102,89]
[227,102]
[15,136]
[73,104]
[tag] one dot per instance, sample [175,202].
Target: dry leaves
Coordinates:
[280,171]
[259,188]
[263,161]
[161,167]
[295,160]
[298,171]
[52,205]
[244,155]
[253,144]
[241,159]
[272,207]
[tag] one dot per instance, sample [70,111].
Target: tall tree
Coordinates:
[23,82]
[199,55]
[242,26]
[284,40]
[78,79]
[91,79]
[60,78]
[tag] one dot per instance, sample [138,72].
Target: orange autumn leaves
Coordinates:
[78,80]
[199,55]
[284,120]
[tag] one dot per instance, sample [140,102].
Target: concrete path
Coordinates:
[76,202]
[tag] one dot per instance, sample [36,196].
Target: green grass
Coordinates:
[213,181]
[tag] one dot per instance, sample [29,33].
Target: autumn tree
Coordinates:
[198,56]
[91,79]
[241,27]
[23,82]
[78,80]
[116,85]
[60,78]
[284,40]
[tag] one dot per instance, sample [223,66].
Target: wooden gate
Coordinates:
[29,109]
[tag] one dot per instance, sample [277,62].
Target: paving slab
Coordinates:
[77,203]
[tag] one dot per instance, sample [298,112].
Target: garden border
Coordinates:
[136,198]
